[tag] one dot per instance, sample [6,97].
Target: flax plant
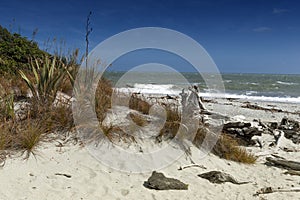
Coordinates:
[48,76]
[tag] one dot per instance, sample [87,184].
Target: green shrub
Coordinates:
[15,51]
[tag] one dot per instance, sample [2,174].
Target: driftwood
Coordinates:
[237,125]
[220,177]
[268,190]
[287,164]
[191,100]
[61,174]
[256,107]
[194,165]
[265,126]
[293,172]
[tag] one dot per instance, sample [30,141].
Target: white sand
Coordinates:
[35,178]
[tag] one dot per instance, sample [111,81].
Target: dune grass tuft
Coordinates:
[103,98]
[59,118]
[21,137]
[229,149]
[138,104]
[29,137]
[138,119]
[116,134]
[172,124]
[226,147]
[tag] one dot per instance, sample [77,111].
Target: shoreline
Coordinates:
[46,176]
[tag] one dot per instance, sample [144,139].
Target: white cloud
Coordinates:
[278,11]
[262,29]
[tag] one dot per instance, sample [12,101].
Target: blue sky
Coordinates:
[254,36]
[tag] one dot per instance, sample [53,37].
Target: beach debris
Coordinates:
[61,174]
[158,181]
[291,129]
[256,107]
[191,100]
[242,130]
[220,177]
[290,149]
[193,165]
[289,124]
[2,160]
[239,125]
[292,172]
[287,128]
[268,190]
[283,163]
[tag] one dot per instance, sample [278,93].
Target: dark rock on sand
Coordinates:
[220,177]
[158,181]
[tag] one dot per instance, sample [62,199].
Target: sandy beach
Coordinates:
[69,171]
[150,100]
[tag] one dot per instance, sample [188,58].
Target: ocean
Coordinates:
[260,87]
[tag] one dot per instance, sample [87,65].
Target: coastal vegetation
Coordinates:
[36,96]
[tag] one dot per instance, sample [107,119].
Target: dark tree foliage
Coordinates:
[15,52]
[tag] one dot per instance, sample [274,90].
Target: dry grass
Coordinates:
[25,136]
[66,86]
[115,134]
[21,137]
[29,137]
[120,98]
[12,84]
[136,103]
[172,124]
[226,147]
[11,89]
[7,107]
[59,118]
[103,98]
[138,119]
[229,149]
[44,80]
[5,136]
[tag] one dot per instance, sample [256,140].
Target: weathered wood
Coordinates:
[268,190]
[61,174]
[220,177]
[194,96]
[193,165]
[237,125]
[287,164]
[292,172]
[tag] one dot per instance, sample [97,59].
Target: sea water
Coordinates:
[261,87]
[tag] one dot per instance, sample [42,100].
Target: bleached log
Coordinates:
[268,190]
[193,165]
[194,97]
[293,172]
[287,164]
